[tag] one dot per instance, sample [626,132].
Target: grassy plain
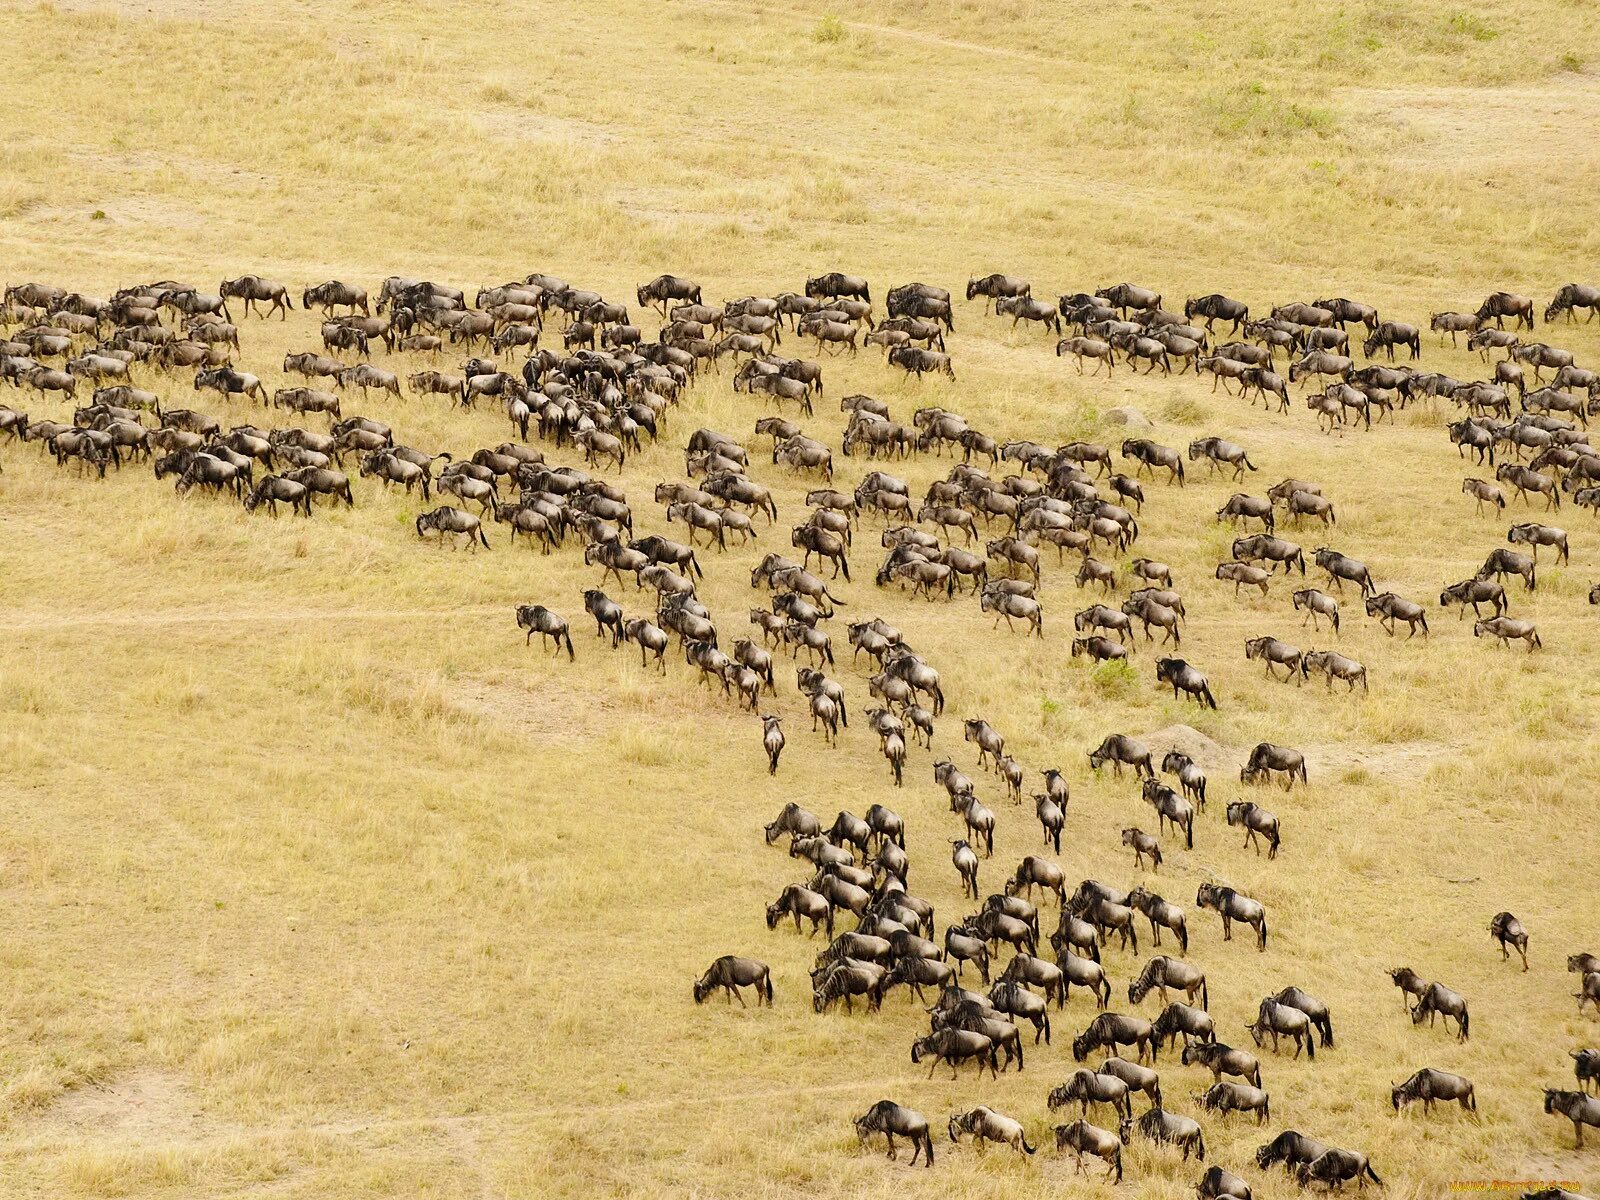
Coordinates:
[318,883]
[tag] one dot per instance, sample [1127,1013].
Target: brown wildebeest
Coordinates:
[1333,666]
[1577,1107]
[1273,550]
[448,520]
[1503,562]
[1483,492]
[1241,507]
[1500,305]
[1185,678]
[1438,1000]
[1508,931]
[1571,297]
[1233,906]
[1120,750]
[333,294]
[1217,307]
[1258,823]
[1508,630]
[1391,609]
[891,1120]
[997,287]
[1267,759]
[1390,334]
[731,973]
[1535,535]
[1341,567]
[1164,1128]
[1526,480]
[1475,592]
[253,289]
[986,1125]
[1243,575]
[1087,347]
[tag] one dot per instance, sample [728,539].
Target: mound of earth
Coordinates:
[1127,415]
[1188,740]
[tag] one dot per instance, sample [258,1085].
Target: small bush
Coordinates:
[828,30]
[1571,62]
[1115,678]
[1473,26]
[1181,410]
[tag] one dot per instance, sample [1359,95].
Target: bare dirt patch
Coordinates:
[146,1105]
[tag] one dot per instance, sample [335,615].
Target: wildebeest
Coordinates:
[1110,1030]
[1509,932]
[1391,609]
[1120,750]
[1507,630]
[536,618]
[1436,1000]
[1334,1167]
[1275,1020]
[986,1125]
[953,1047]
[1268,759]
[730,972]
[1258,823]
[893,1120]
[1428,1085]
[1186,679]
[1503,562]
[1088,1087]
[1577,1107]
[1217,307]
[1273,550]
[254,289]
[1236,1097]
[1233,906]
[1166,1128]
[1500,305]
[1083,1138]
[1291,1148]
[1218,1184]
[447,520]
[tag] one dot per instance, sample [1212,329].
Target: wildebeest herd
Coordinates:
[610,389]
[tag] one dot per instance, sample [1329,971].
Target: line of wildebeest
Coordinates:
[609,389]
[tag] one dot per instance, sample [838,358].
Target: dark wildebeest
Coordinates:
[891,1120]
[1500,305]
[1232,906]
[1437,1000]
[731,973]
[1508,931]
[1577,1107]
[1267,759]
[1120,750]
[1217,307]
[1428,1085]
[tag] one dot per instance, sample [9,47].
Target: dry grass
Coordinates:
[319,883]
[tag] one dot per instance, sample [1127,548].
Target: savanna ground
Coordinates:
[317,882]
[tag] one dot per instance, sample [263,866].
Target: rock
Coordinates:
[1128,416]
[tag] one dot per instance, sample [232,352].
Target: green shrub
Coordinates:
[829,29]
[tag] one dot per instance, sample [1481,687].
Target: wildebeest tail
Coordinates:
[1025,1145]
[1371,1174]
[571,657]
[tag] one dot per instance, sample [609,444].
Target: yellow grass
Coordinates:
[317,882]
